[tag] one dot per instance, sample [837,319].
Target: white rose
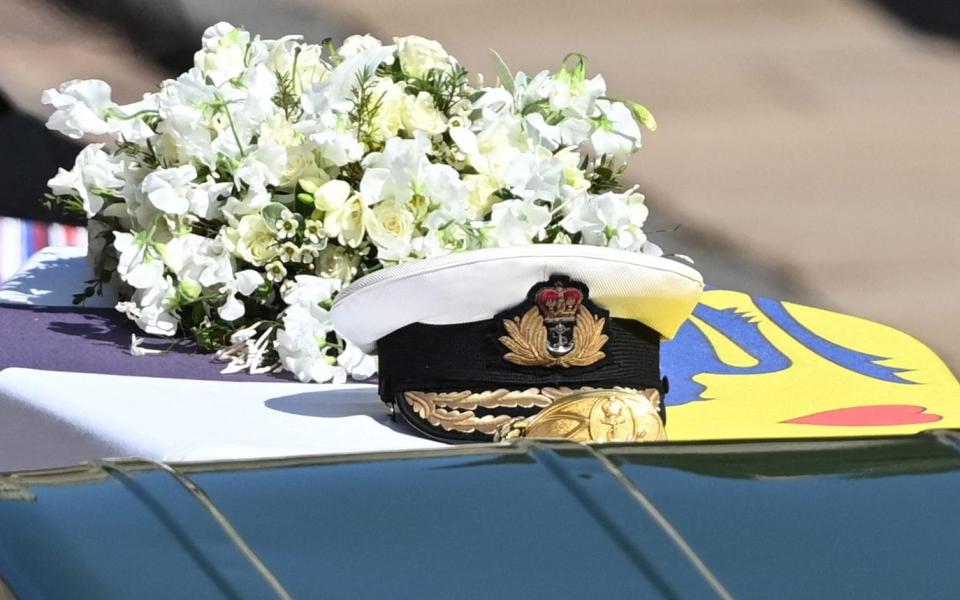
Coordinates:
[252,240]
[301,164]
[388,120]
[420,114]
[358,44]
[419,55]
[311,67]
[391,228]
[338,262]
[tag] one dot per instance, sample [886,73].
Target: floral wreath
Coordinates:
[233,204]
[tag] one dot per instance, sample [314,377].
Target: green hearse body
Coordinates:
[869,517]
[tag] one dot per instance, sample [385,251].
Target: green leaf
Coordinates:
[197,312]
[503,71]
[272,213]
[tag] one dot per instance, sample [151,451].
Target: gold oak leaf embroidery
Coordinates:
[527,341]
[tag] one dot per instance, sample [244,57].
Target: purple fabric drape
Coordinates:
[97,340]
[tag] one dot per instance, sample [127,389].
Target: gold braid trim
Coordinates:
[453,411]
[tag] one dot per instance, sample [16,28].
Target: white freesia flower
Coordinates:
[331,195]
[81,108]
[347,222]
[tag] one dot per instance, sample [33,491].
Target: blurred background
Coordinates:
[808,149]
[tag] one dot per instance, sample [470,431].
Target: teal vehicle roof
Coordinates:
[871,517]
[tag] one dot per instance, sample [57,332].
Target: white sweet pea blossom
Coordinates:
[311,290]
[246,282]
[533,177]
[518,222]
[204,198]
[94,172]
[303,348]
[199,259]
[358,365]
[222,56]
[81,108]
[138,265]
[302,343]
[617,134]
[169,189]
[150,308]
[610,219]
[264,166]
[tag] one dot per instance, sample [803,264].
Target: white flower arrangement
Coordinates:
[236,201]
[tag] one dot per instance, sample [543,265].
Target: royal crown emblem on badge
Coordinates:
[557,331]
[558,305]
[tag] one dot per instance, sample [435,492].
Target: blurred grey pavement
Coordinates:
[810,150]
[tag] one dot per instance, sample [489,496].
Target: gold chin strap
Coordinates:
[595,416]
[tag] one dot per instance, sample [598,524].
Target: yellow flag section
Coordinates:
[752,367]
